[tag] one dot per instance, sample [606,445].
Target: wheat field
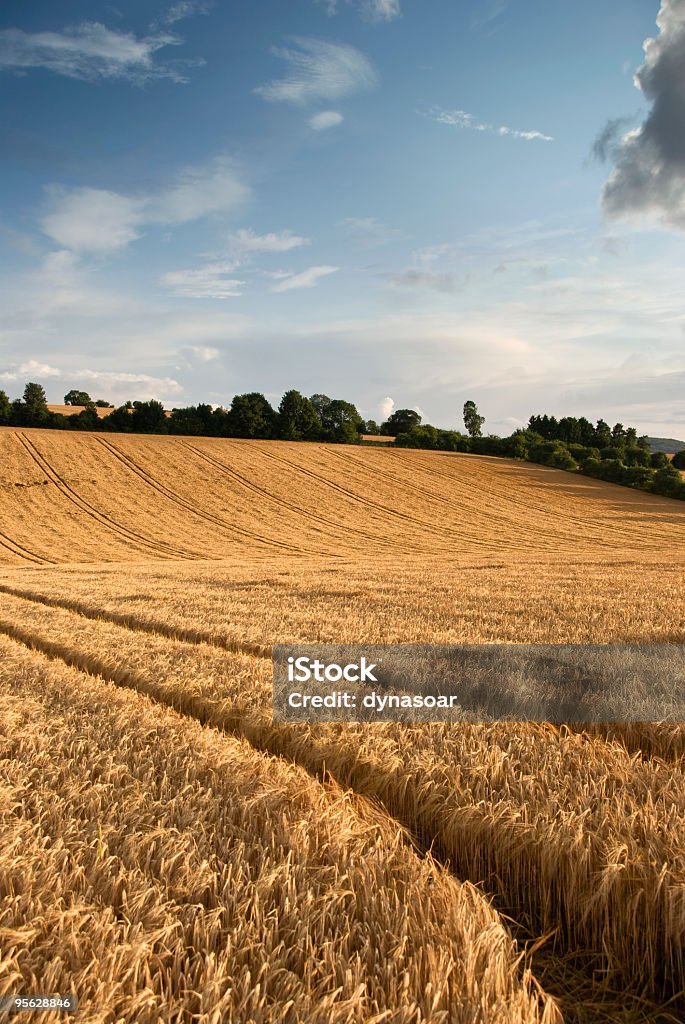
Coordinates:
[171,854]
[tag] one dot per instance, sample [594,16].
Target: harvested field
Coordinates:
[137,684]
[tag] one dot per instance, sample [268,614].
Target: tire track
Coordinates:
[546,511]
[181,502]
[163,548]
[424,492]
[425,528]
[137,624]
[298,510]
[22,552]
[358,774]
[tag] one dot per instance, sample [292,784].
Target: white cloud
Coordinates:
[186,9]
[369,232]
[379,10]
[370,10]
[204,353]
[387,408]
[199,191]
[449,283]
[246,241]
[138,385]
[462,119]
[92,220]
[318,70]
[90,51]
[488,11]
[101,221]
[213,281]
[325,119]
[306,279]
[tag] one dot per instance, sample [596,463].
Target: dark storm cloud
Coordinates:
[649,176]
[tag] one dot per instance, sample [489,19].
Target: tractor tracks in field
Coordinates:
[139,624]
[188,506]
[15,548]
[355,770]
[144,544]
[282,502]
[358,499]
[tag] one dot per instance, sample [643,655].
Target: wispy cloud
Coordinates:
[325,119]
[306,279]
[649,178]
[212,281]
[370,10]
[369,232]
[448,283]
[101,221]
[91,51]
[186,9]
[203,353]
[318,70]
[246,241]
[488,11]
[462,119]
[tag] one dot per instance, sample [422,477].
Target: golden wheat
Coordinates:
[163,871]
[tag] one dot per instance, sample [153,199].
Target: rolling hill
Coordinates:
[122,498]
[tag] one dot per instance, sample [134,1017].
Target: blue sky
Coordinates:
[390,201]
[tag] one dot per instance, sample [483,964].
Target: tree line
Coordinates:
[616,454]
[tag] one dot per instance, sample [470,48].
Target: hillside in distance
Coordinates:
[126,498]
[667,445]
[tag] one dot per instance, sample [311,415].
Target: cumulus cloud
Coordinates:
[387,407]
[212,281]
[462,119]
[649,176]
[325,119]
[306,279]
[318,70]
[607,145]
[90,51]
[246,241]
[101,221]
[139,385]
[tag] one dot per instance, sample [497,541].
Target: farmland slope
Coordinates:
[119,498]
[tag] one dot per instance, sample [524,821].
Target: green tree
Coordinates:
[149,418]
[372,428]
[402,421]
[102,404]
[472,421]
[251,415]
[339,419]
[5,409]
[35,405]
[678,460]
[297,418]
[75,397]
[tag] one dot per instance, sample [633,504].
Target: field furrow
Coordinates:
[571,833]
[161,870]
